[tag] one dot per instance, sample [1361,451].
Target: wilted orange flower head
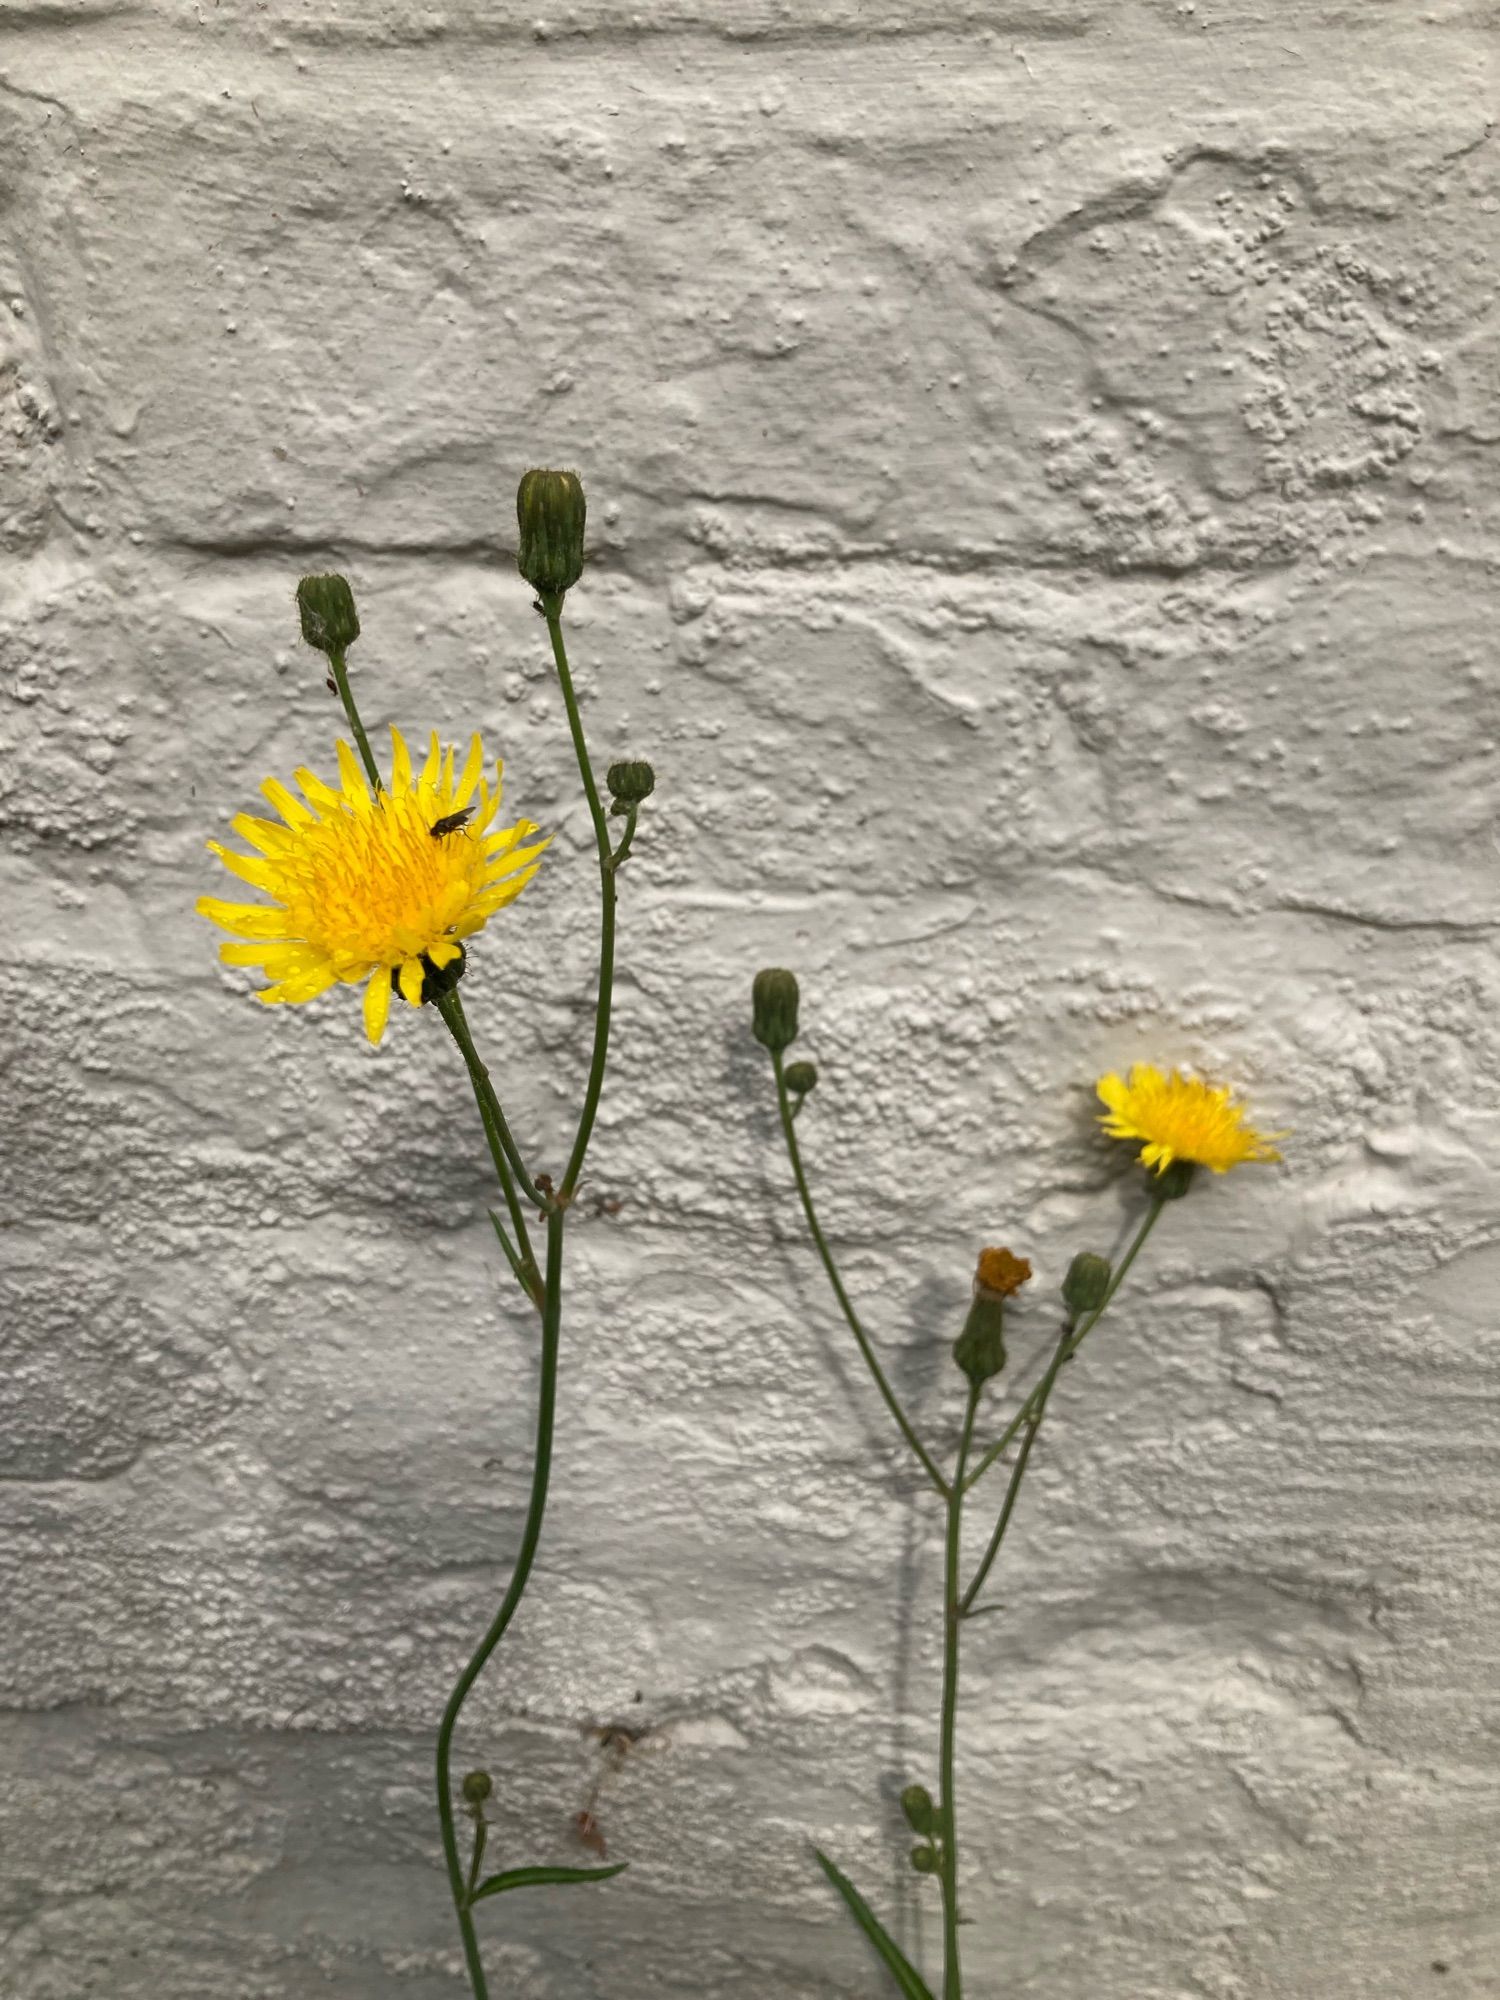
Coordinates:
[1001,1273]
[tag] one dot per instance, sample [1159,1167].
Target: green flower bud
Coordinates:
[773,1000]
[629,783]
[325,605]
[801,1077]
[980,1349]
[924,1860]
[477,1787]
[921,1813]
[1086,1286]
[550,511]
[1173,1182]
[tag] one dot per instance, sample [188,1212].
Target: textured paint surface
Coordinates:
[1042,467]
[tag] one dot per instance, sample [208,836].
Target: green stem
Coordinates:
[1018,1473]
[952,1621]
[346,696]
[552,606]
[481,1832]
[452,1010]
[618,857]
[523,1259]
[1027,1410]
[820,1243]
[530,1536]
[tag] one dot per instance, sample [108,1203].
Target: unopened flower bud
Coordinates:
[773,1000]
[550,512]
[325,605]
[1086,1286]
[629,783]
[980,1349]
[1173,1182]
[801,1077]
[924,1860]
[921,1813]
[477,1787]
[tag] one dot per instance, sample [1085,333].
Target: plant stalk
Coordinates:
[340,668]
[530,1537]
[552,606]
[1028,1409]
[451,1007]
[820,1243]
[952,1624]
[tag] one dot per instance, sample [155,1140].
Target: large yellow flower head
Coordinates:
[374,886]
[1180,1118]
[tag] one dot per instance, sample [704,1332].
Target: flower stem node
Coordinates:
[773,1002]
[550,512]
[325,604]
[921,1813]
[436,979]
[980,1349]
[1086,1286]
[629,783]
[925,1860]
[477,1787]
[801,1077]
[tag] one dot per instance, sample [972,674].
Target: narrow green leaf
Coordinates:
[511,1257]
[887,1950]
[532,1878]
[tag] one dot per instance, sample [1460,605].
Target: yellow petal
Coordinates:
[473,765]
[400,762]
[352,776]
[411,981]
[291,808]
[276,961]
[507,864]
[264,834]
[377,1002]
[324,797]
[251,920]
[265,875]
[496,843]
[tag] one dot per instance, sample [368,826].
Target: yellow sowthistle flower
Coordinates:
[380,887]
[1180,1118]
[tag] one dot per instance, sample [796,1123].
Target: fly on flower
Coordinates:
[1179,1118]
[360,890]
[451,823]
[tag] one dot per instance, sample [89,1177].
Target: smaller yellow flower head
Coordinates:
[1180,1118]
[369,887]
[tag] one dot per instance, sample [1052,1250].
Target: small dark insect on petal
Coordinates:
[451,822]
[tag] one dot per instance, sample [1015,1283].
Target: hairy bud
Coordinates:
[325,605]
[1086,1286]
[773,1001]
[550,512]
[630,782]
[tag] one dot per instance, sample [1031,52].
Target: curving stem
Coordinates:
[536,1507]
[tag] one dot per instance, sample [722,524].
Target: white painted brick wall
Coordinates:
[1042,464]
